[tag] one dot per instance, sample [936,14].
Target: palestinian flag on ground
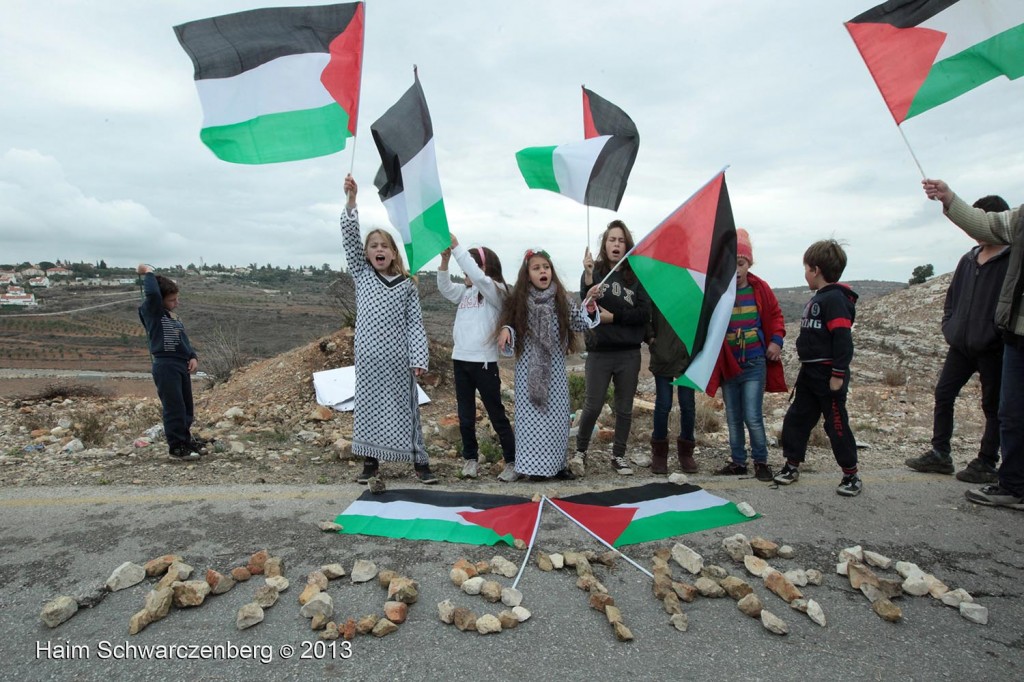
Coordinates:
[619,517]
[593,172]
[655,511]
[277,84]
[407,181]
[688,266]
[923,53]
[469,518]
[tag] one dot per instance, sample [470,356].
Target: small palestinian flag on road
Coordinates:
[688,266]
[593,172]
[277,84]
[619,517]
[469,518]
[407,181]
[923,53]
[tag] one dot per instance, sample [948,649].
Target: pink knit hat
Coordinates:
[743,247]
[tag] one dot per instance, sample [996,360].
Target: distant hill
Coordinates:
[793,299]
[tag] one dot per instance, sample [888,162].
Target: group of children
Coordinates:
[537,322]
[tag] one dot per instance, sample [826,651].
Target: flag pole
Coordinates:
[362,57]
[529,548]
[588,226]
[911,150]
[566,514]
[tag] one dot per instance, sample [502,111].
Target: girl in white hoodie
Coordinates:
[475,356]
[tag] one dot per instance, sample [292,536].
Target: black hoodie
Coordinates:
[825,329]
[969,313]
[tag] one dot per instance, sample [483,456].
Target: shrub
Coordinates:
[91,431]
[222,355]
[69,390]
[707,420]
[895,376]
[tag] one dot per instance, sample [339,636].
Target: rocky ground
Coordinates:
[268,428]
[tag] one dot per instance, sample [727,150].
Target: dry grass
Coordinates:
[69,390]
[895,376]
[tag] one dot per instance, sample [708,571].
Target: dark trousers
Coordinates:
[1011,420]
[174,387]
[957,370]
[471,377]
[621,367]
[812,400]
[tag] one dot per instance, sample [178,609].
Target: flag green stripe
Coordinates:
[287,136]
[670,524]
[429,236]
[675,292]
[537,164]
[1000,55]
[420,529]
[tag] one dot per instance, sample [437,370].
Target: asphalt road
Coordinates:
[59,540]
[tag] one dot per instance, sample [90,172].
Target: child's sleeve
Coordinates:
[449,289]
[152,302]
[839,322]
[419,353]
[486,285]
[355,257]
[579,319]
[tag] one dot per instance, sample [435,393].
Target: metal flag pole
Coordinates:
[601,540]
[911,150]
[362,57]
[529,548]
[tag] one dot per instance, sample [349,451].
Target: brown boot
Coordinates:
[659,456]
[686,461]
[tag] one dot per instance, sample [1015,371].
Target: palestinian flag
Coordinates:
[655,511]
[277,84]
[593,172]
[619,517]
[469,518]
[923,53]
[407,181]
[688,266]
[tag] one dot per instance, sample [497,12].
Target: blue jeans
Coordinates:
[1011,420]
[744,395]
[663,406]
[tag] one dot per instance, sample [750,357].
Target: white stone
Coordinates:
[73,446]
[58,610]
[745,509]
[907,569]
[473,585]
[678,478]
[797,576]
[521,613]
[814,576]
[363,571]
[248,615]
[687,558]
[125,575]
[503,566]
[737,546]
[756,566]
[557,561]
[852,553]
[773,623]
[815,613]
[320,604]
[512,597]
[877,560]
[278,582]
[487,624]
[445,610]
[786,552]
[956,597]
[976,613]
[916,585]
[842,568]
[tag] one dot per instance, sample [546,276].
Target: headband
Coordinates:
[530,253]
[483,257]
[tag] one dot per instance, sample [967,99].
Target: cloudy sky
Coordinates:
[100,155]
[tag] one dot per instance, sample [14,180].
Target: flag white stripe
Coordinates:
[703,363]
[573,164]
[695,501]
[970,22]
[421,185]
[290,83]
[399,216]
[404,511]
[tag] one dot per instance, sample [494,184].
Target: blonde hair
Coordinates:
[397,265]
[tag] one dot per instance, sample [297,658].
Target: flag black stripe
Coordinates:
[721,265]
[643,493]
[440,498]
[400,134]
[903,13]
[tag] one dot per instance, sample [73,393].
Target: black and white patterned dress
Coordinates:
[389,342]
[542,434]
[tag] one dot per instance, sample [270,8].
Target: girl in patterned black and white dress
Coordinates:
[544,319]
[390,350]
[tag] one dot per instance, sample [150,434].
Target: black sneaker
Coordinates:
[732,469]
[789,474]
[995,496]
[369,471]
[762,471]
[183,454]
[931,462]
[850,486]
[566,474]
[621,466]
[198,445]
[425,475]
[978,471]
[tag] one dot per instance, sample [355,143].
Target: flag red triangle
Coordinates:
[606,523]
[516,520]
[589,129]
[899,60]
[684,238]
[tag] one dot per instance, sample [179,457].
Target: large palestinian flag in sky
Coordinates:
[687,264]
[407,181]
[277,84]
[923,53]
[619,517]
[593,172]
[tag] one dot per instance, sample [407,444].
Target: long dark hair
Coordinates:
[514,312]
[490,264]
[601,264]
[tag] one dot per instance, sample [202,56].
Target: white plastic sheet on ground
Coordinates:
[336,388]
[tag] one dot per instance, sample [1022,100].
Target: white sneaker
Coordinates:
[509,473]
[469,469]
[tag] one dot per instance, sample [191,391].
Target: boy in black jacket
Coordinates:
[825,349]
[975,345]
[173,361]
